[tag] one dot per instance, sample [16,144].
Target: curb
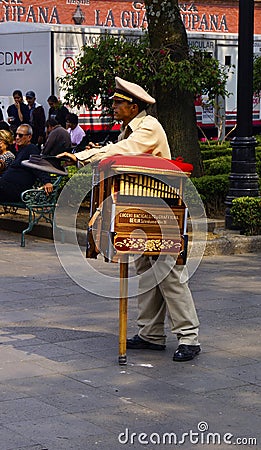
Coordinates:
[233,245]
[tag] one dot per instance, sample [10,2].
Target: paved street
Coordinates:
[60,383]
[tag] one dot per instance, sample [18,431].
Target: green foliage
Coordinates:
[214,185]
[81,183]
[213,191]
[258,163]
[217,166]
[134,60]
[71,171]
[246,213]
[214,145]
[216,157]
[257,75]
[214,149]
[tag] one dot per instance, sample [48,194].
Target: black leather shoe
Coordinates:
[138,343]
[186,352]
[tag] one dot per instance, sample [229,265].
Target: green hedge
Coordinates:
[222,164]
[82,182]
[213,186]
[213,191]
[246,213]
[215,152]
[217,166]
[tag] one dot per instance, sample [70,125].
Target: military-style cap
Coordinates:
[125,90]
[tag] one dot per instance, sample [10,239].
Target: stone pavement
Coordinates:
[61,387]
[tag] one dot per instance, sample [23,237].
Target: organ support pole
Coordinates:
[243,179]
[123,310]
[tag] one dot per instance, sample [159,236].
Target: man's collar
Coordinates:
[134,123]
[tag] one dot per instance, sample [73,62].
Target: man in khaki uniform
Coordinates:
[160,288]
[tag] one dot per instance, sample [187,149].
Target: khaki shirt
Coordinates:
[147,136]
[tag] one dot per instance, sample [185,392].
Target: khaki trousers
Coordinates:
[161,292]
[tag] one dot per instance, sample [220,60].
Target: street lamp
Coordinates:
[243,178]
[78,16]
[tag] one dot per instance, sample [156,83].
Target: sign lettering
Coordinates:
[196,17]
[21,58]
[144,218]
[205,22]
[33,14]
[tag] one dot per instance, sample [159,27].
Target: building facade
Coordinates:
[198,16]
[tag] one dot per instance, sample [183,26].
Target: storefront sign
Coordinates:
[196,17]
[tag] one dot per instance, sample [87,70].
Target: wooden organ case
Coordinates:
[137,208]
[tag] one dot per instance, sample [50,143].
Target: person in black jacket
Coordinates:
[57,110]
[18,178]
[37,119]
[18,112]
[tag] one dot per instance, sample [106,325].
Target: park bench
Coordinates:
[38,204]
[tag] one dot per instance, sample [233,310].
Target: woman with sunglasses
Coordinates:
[6,145]
[18,112]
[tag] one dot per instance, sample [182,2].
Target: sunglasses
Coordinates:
[20,135]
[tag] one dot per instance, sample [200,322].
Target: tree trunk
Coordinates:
[175,108]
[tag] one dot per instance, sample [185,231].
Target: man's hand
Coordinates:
[48,187]
[93,145]
[69,155]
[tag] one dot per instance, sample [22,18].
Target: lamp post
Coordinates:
[243,178]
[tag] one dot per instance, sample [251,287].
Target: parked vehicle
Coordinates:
[222,118]
[34,56]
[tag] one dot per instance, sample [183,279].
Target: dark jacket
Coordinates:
[38,124]
[12,112]
[18,178]
[57,142]
[59,114]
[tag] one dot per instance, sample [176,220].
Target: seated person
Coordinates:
[58,139]
[75,131]
[6,155]
[18,178]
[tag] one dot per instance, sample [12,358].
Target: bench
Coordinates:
[39,206]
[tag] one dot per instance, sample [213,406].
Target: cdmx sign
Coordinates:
[20,57]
